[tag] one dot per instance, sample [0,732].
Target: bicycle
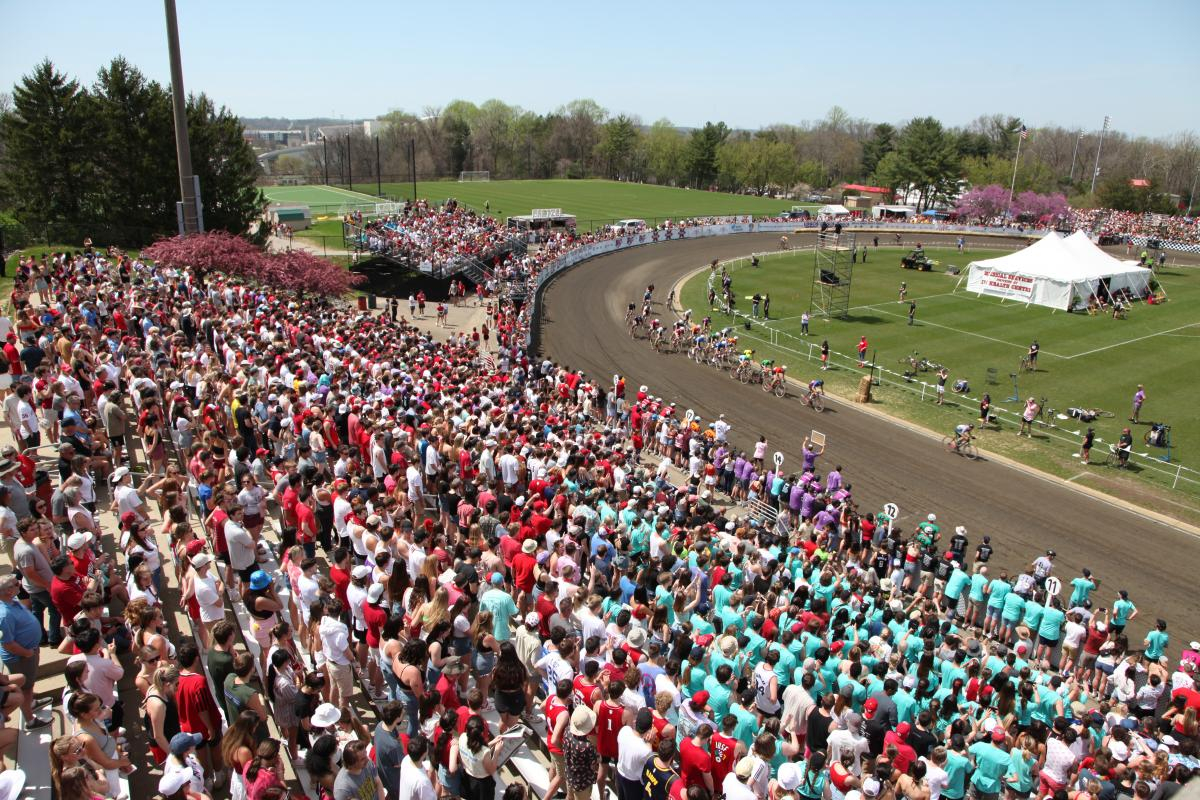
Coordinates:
[777,383]
[814,400]
[1027,364]
[967,448]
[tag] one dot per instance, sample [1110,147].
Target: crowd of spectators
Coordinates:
[454,545]
[434,235]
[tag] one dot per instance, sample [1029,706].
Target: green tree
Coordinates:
[926,162]
[702,153]
[457,118]
[225,163]
[618,144]
[665,153]
[48,154]
[882,142]
[135,163]
[1033,175]
[1117,192]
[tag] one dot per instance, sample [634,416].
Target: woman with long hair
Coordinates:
[141,542]
[75,674]
[485,649]
[81,783]
[283,691]
[150,628]
[237,750]
[510,678]
[443,742]
[100,746]
[148,659]
[477,758]
[264,770]
[410,670]
[435,611]
[160,714]
[66,752]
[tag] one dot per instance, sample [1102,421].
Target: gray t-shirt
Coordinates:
[30,559]
[348,786]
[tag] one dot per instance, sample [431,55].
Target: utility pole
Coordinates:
[349,164]
[188,209]
[1074,153]
[412,164]
[1192,193]
[1099,145]
[325,148]
[378,176]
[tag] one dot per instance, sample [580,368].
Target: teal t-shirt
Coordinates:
[718,697]
[957,582]
[1033,615]
[503,609]
[1047,705]
[998,592]
[991,763]
[1020,776]
[1052,622]
[1081,587]
[1121,611]
[747,725]
[978,582]
[812,782]
[905,703]
[1014,604]
[957,766]
[1157,643]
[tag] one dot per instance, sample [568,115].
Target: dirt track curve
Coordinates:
[582,326]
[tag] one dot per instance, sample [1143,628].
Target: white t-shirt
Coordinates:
[937,778]
[414,783]
[212,608]
[632,752]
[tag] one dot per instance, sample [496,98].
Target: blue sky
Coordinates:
[747,63]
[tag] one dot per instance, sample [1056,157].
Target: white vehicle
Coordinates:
[628,226]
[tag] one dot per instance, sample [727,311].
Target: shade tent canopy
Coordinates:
[833,210]
[1057,272]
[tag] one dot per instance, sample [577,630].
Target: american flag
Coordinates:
[1024,133]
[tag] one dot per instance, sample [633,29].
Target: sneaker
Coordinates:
[43,702]
[36,724]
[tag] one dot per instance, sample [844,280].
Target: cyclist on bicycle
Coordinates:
[816,386]
[745,356]
[962,434]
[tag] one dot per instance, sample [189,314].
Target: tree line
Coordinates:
[99,161]
[582,139]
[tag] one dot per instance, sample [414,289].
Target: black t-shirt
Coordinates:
[875,729]
[943,569]
[958,543]
[817,730]
[922,741]
[983,553]
[927,561]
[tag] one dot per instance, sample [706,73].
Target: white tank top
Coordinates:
[762,690]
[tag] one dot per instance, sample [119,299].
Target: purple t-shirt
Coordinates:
[833,481]
[810,458]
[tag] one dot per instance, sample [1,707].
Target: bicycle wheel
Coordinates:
[948,443]
[733,372]
[766,386]
[744,376]
[969,450]
[781,389]
[817,402]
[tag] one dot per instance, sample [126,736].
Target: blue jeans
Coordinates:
[41,602]
[412,712]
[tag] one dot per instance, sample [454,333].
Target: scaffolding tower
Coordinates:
[832,260]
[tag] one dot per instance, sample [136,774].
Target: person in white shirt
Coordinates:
[509,468]
[936,776]
[633,750]
[721,428]
[847,740]
[736,783]
[335,646]
[415,783]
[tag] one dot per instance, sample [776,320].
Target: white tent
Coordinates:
[833,210]
[1057,273]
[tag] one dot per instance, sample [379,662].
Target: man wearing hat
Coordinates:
[126,498]
[736,785]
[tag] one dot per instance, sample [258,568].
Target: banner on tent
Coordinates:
[1006,284]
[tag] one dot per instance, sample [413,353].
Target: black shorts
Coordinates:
[1044,642]
[245,574]
[117,440]
[511,703]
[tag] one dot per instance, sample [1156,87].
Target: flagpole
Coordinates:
[1012,187]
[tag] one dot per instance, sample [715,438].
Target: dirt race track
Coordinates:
[1024,513]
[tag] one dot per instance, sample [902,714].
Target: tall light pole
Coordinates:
[190,220]
[1074,153]
[1192,193]
[1099,145]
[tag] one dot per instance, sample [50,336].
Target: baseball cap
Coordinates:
[870,707]
[532,619]
[182,742]
[700,699]
[998,734]
[202,560]
[375,593]
[360,572]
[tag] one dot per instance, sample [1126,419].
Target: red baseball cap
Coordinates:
[998,734]
[870,707]
[700,699]
[903,729]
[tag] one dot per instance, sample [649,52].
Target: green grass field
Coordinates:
[1086,361]
[593,202]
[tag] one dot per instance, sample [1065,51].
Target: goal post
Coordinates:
[472,176]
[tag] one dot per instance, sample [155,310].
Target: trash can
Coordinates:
[362,302]
[372,302]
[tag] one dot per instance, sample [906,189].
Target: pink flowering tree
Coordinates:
[214,251]
[1034,206]
[302,272]
[983,202]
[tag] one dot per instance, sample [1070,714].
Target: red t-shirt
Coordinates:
[585,693]
[608,725]
[193,699]
[375,617]
[545,608]
[447,692]
[66,596]
[306,524]
[723,749]
[694,763]
[341,580]
[510,547]
[523,566]
[218,531]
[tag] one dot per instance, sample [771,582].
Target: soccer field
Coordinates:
[593,202]
[1086,361]
[322,200]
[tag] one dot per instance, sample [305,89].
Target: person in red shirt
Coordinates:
[695,762]
[546,607]
[725,750]
[197,709]
[66,589]
[587,690]
[610,718]
[339,573]
[557,717]
[306,523]
[447,684]
[905,754]
[524,567]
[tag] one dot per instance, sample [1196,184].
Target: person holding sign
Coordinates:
[811,453]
